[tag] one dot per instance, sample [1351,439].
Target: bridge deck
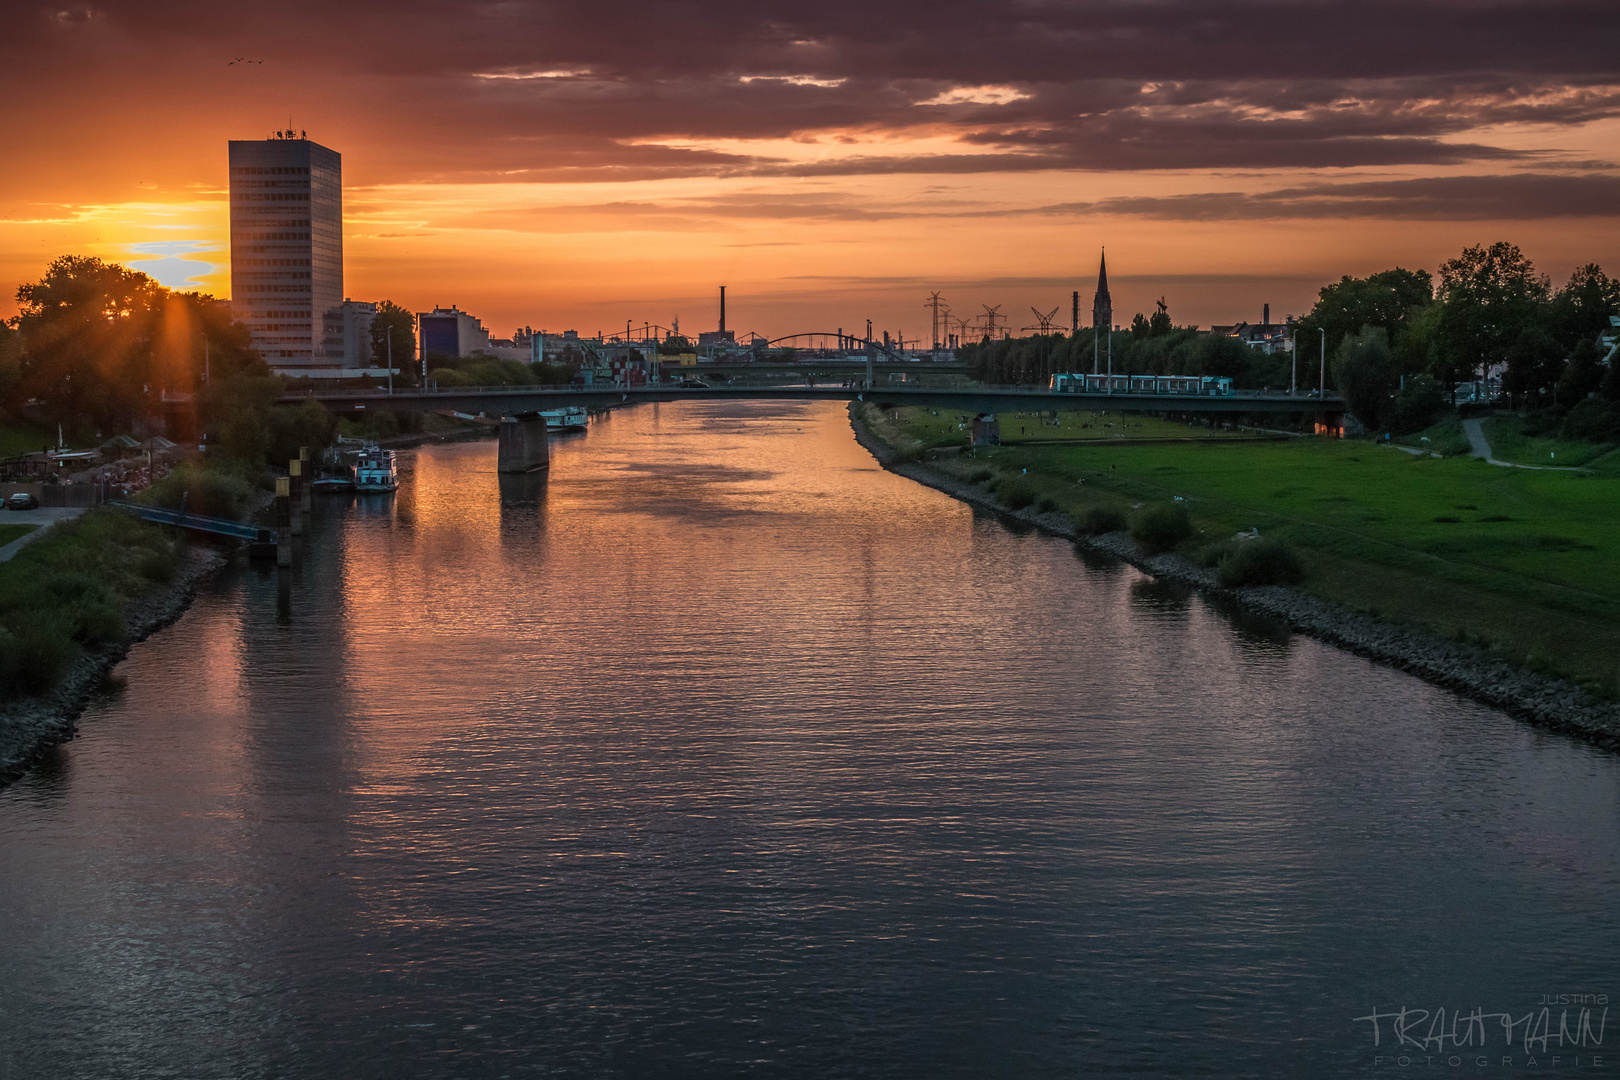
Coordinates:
[508,400]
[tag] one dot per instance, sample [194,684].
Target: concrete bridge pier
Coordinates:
[524,445]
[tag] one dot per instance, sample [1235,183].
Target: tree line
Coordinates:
[1398,342]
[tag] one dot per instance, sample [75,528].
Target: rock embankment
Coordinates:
[29,727]
[1469,670]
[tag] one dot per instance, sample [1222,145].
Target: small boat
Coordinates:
[573,418]
[331,481]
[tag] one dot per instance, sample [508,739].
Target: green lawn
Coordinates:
[1510,443]
[10,532]
[944,427]
[19,439]
[1528,561]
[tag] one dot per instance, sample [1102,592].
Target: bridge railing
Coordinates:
[1031,389]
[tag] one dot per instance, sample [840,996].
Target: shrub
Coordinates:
[1161,527]
[1210,555]
[159,566]
[1015,492]
[1418,405]
[1097,520]
[1542,422]
[212,490]
[1046,504]
[35,656]
[1259,562]
[979,476]
[1592,420]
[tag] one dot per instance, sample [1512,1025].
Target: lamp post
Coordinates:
[1322,390]
[390,338]
[1293,377]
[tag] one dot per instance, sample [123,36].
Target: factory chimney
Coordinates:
[1265,320]
[722,309]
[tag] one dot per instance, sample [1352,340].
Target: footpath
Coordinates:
[1480,447]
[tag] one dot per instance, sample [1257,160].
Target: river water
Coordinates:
[722,752]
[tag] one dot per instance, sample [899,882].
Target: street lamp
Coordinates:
[1322,390]
[390,337]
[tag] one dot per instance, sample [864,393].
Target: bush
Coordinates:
[213,490]
[1542,422]
[1592,420]
[1210,555]
[1097,520]
[1161,527]
[979,476]
[1259,562]
[35,656]
[1014,492]
[1417,406]
[159,566]
[1046,504]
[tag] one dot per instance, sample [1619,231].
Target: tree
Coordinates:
[1490,296]
[1581,309]
[1140,328]
[1534,363]
[394,322]
[100,342]
[1159,322]
[1365,374]
[1582,376]
[1389,299]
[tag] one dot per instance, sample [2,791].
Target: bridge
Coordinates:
[522,428]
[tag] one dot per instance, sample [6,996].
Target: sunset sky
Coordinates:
[574,165]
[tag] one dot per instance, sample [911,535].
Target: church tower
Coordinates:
[1102,305]
[1102,319]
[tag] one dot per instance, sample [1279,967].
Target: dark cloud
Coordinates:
[1523,197]
[564,90]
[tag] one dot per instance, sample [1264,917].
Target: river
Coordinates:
[720,751]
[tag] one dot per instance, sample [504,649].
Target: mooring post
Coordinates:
[305,477]
[283,513]
[295,494]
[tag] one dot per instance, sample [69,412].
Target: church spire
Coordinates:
[1102,305]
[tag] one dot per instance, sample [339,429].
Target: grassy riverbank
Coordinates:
[1524,562]
[67,592]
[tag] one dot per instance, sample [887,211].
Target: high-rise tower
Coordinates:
[286,247]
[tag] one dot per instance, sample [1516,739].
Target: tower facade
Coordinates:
[287,248]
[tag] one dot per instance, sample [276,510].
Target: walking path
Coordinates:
[1475,429]
[44,517]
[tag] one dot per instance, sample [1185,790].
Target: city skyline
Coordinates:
[532,169]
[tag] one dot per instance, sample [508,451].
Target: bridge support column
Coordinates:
[283,521]
[524,445]
[295,495]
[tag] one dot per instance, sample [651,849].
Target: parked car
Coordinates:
[694,384]
[22,501]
